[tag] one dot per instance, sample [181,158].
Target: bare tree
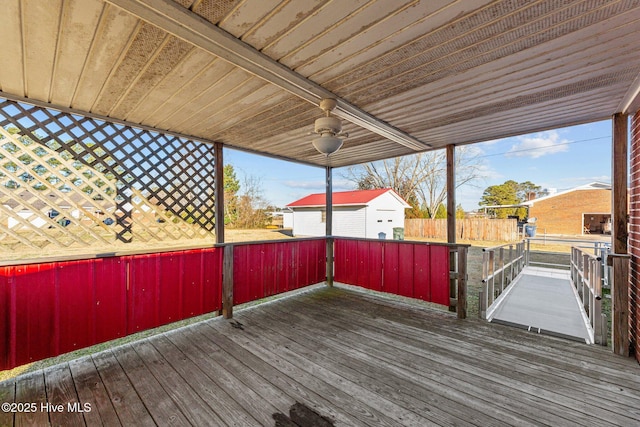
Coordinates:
[420,178]
[252,205]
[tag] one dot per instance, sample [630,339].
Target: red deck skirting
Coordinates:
[53,308]
[270,268]
[416,270]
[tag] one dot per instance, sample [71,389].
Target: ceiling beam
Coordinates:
[631,102]
[114,120]
[186,25]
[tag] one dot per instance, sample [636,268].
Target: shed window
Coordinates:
[323,216]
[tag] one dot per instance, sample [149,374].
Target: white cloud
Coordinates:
[468,196]
[489,173]
[488,143]
[319,186]
[471,150]
[343,185]
[304,184]
[538,145]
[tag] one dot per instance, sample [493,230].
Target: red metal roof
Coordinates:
[359,197]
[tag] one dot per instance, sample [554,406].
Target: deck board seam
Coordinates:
[466,339]
[189,339]
[307,356]
[359,358]
[334,391]
[553,343]
[164,380]
[488,400]
[299,390]
[216,380]
[458,331]
[347,355]
[550,388]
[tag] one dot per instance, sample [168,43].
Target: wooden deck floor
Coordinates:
[354,358]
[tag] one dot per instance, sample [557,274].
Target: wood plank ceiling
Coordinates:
[409,75]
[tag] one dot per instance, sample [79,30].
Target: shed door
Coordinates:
[384,222]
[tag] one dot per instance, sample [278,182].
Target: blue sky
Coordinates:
[561,159]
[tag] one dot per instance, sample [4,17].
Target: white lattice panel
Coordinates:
[70,181]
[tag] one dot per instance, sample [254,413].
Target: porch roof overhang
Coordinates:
[408,75]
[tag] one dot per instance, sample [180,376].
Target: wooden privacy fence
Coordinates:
[466,229]
[427,271]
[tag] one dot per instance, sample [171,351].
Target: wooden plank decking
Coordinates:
[354,358]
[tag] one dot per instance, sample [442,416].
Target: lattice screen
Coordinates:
[70,181]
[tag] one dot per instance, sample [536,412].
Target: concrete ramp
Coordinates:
[543,300]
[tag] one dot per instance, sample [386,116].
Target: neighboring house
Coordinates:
[364,213]
[581,210]
[287,218]
[280,219]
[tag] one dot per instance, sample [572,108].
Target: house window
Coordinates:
[323,216]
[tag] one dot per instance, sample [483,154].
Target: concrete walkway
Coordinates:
[544,301]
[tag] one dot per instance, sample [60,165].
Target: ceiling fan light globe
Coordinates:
[327,144]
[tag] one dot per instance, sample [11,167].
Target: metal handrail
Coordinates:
[502,263]
[598,248]
[586,277]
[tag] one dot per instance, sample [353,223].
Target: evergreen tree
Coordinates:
[231,186]
[510,193]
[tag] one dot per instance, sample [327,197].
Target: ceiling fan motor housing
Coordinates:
[330,125]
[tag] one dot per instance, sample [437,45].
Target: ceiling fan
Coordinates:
[330,130]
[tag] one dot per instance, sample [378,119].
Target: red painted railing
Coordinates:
[52,308]
[270,268]
[411,269]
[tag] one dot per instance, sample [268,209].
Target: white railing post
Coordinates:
[501,266]
[492,277]
[510,263]
[597,303]
[483,297]
[461,306]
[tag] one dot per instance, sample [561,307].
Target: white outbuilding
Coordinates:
[362,213]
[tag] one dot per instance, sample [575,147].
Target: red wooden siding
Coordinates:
[270,268]
[110,288]
[53,308]
[415,270]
